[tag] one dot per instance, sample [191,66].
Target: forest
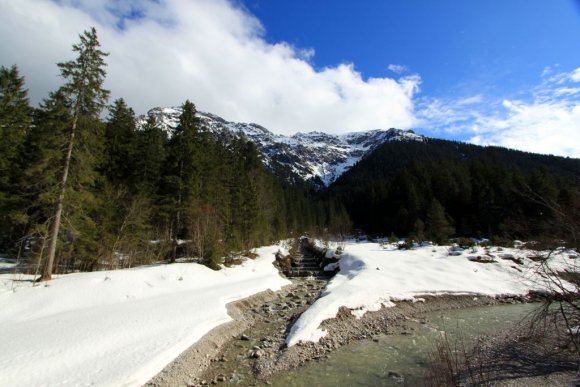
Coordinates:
[83,187]
[79,192]
[438,189]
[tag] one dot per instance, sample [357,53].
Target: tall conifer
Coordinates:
[84,90]
[15,121]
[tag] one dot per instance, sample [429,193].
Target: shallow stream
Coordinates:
[401,360]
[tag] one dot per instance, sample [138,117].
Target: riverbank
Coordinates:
[379,289]
[229,353]
[251,350]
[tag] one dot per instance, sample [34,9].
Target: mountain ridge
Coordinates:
[316,157]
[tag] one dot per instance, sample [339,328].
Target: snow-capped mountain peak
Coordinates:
[316,156]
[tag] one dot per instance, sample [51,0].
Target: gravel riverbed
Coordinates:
[251,349]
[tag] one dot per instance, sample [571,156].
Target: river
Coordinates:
[401,360]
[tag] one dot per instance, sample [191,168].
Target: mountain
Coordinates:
[317,157]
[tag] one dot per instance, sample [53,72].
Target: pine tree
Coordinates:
[86,96]
[438,225]
[183,178]
[120,144]
[150,157]
[15,121]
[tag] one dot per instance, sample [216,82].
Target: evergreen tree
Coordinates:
[15,121]
[150,157]
[438,225]
[183,177]
[120,144]
[86,97]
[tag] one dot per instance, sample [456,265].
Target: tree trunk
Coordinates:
[55,227]
[177,215]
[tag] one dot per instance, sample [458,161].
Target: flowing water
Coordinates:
[401,360]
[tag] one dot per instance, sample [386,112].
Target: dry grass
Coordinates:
[456,365]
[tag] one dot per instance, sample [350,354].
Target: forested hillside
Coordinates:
[79,192]
[437,189]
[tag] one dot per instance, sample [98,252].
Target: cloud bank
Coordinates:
[214,52]
[545,120]
[209,51]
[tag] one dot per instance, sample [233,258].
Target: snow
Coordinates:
[117,327]
[122,327]
[372,276]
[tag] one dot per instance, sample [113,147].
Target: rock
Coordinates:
[258,354]
[220,378]
[245,337]
[396,376]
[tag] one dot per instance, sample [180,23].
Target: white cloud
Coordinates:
[549,128]
[548,121]
[575,75]
[474,99]
[397,69]
[209,51]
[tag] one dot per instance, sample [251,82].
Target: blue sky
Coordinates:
[498,72]
[495,49]
[447,42]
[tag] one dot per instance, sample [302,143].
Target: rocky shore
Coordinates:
[251,349]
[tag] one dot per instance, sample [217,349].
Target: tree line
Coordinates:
[81,193]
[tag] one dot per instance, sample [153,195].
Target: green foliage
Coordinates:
[438,224]
[483,191]
[150,155]
[120,144]
[501,241]
[15,121]
[418,233]
[465,242]
[96,195]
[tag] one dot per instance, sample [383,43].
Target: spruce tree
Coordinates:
[438,225]
[86,98]
[150,157]
[183,178]
[120,144]
[15,121]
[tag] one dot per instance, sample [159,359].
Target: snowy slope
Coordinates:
[313,156]
[372,276]
[117,328]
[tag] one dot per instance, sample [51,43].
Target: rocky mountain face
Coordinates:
[315,156]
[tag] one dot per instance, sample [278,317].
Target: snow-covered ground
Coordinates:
[121,327]
[373,275]
[117,328]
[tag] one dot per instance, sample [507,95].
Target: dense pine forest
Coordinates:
[79,192]
[437,189]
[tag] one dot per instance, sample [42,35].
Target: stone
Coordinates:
[258,354]
[245,337]
[396,376]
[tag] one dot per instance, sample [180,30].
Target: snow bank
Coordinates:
[117,327]
[372,276]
